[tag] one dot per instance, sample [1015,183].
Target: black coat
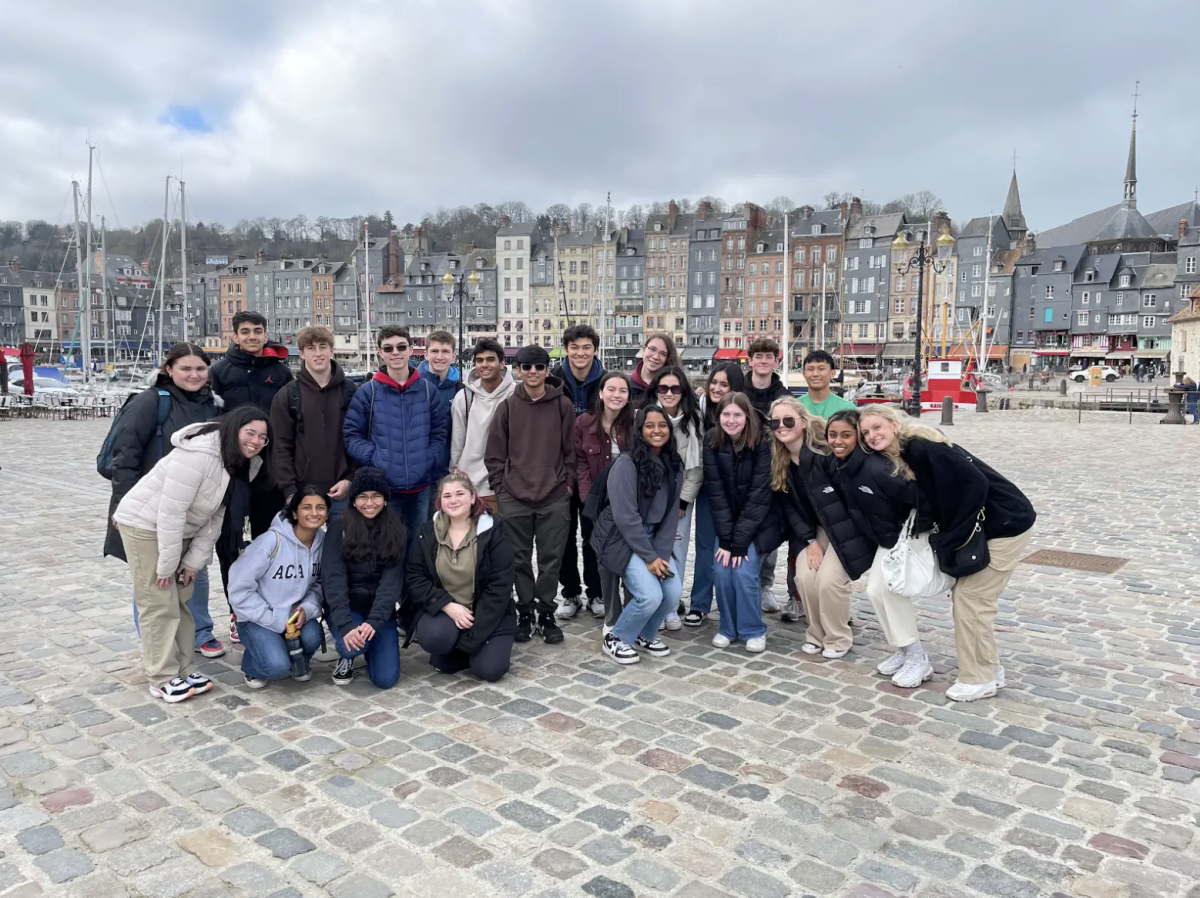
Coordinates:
[952,487]
[762,400]
[879,501]
[244,379]
[814,475]
[136,445]
[738,486]
[494,611]
[364,587]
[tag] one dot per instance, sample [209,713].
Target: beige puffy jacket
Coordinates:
[181,498]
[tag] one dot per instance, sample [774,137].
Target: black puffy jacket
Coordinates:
[493,609]
[365,587]
[738,486]
[814,475]
[244,379]
[136,445]
[879,501]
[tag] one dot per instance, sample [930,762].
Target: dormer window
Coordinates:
[816,229]
[778,247]
[479,262]
[1089,276]
[1059,264]
[658,226]
[1125,280]
[762,248]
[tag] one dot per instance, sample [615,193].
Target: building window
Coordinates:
[1125,280]
[1189,265]
[1147,321]
[976,271]
[1149,301]
[1048,316]
[1049,291]
[831,254]
[976,290]
[978,251]
[1083,317]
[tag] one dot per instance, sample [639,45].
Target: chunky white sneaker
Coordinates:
[791,611]
[971,692]
[606,629]
[175,690]
[916,670]
[714,615]
[721,642]
[810,648]
[569,608]
[255,682]
[889,665]
[769,601]
[657,648]
[619,651]
[596,607]
[834,654]
[1000,681]
[756,644]
[672,622]
[199,682]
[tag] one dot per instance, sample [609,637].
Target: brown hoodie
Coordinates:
[531,446]
[311,451]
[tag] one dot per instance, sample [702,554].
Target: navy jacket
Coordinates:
[244,379]
[447,389]
[582,395]
[402,428]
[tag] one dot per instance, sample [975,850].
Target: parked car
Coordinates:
[1080,375]
[16,384]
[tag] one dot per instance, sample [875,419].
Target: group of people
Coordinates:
[412,508]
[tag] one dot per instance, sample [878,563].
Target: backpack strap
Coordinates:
[164,410]
[293,404]
[275,550]
[468,401]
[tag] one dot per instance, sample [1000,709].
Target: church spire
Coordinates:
[1014,218]
[1130,200]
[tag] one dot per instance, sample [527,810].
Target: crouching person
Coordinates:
[362,574]
[459,582]
[278,578]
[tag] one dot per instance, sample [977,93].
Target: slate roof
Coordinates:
[885,225]
[1127,223]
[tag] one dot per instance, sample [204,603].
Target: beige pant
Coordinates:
[168,629]
[825,593]
[975,600]
[897,614]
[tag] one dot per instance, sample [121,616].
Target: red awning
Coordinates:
[730,355]
[1050,352]
[11,352]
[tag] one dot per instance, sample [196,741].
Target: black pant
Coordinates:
[265,503]
[568,574]
[437,634]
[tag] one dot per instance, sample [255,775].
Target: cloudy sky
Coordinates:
[279,107]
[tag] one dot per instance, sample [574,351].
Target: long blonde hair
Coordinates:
[910,429]
[781,455]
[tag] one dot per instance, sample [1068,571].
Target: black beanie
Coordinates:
[368,480]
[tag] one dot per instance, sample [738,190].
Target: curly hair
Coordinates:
[650,472]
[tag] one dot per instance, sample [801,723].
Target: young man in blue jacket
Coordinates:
[398,422]
[438,368]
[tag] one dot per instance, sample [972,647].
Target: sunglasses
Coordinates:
[539,366]
[775,423]
[389,348]
[673,389]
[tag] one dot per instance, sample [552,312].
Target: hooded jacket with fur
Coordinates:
[471,416]
[276,574]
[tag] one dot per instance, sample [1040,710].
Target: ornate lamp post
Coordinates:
[464,288]
[920,260]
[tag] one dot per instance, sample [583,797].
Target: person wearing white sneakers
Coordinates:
[880,504]
[635,533]
[670,390]
[983,524]
[835,553]
[737,481]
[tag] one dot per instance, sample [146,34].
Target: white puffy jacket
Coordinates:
[181,498]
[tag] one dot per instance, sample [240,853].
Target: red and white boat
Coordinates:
[945,377]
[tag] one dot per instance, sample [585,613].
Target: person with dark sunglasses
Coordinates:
[530,459]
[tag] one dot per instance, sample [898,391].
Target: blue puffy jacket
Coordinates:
[446,390]
[402,428]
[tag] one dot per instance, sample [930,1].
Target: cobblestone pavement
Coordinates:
[705,774]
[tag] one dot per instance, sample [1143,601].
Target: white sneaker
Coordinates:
[605,630]
[834,654]
[255,682]
[916,670]
[673,622]
[756,644]
[810,648]
[1000,681]
[596,607]
[619,651]
[568,608]
[791,611]
[714,615]
[657,648]
[721,642]
[769,601]
[971,692]
[889,665]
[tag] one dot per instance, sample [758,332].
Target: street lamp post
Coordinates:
[920,260]
[464,288]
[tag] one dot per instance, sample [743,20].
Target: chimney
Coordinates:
[806,212]
[703,210]
[470,248]
[1030,242]
[259,257]
[845,210]
[393,268]
[563,230]
[939,222]
[15,266]
[855,206]
[422,245]
[673,213]
[1182,232]
[505,221]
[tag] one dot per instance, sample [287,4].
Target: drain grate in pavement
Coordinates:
[1077,561]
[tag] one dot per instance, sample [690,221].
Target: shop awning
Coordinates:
[1151,353]
[510,352]
[696,354]
[857,350]
[899,351]
[730,355]
[1050,352]
[557,352]
[1089,352]
[1120,355]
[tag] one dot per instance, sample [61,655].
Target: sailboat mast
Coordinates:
[787,291]
[162,271]
[85,334]
[80,329]
[109,325]
[183,265]
[603,284]
[367,282]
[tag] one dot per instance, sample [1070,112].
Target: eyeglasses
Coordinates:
[673,389]
[538,366]
[256,438]
[775,423]
[657,353]
[389,348]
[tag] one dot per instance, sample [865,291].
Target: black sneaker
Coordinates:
[343,673]
[656,649]
[693,619]
[524,626]
[551,632]
[619,651]
[174,691]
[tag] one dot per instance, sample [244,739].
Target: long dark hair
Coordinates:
[737,384]
[689,407]
[382,536]
[228,426]
[650,472]
[624,419]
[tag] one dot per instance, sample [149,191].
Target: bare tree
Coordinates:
[516,210]
[718,204]
[582,217]
[686,206]
[658,207]
[777,208]
[559,214]
[634,217]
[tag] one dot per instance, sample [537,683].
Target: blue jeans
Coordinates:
[738,598]
[413,509]
[336,509]
[382,651]
[198,605]
[265,654]
[1194,411]
[651,600]
[706,547]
